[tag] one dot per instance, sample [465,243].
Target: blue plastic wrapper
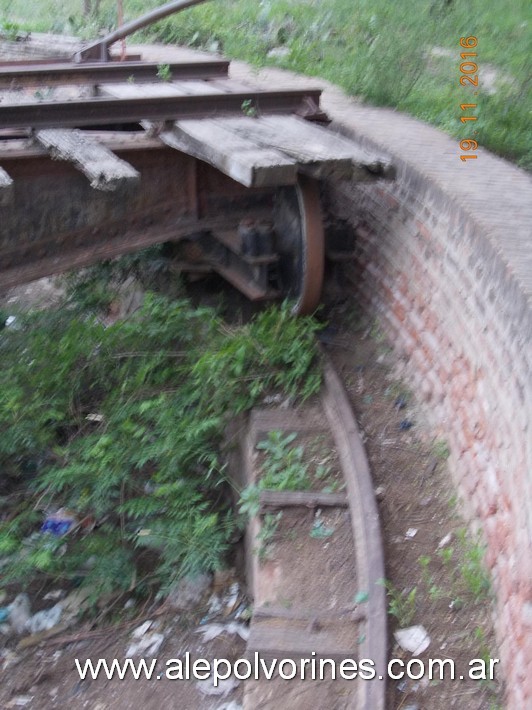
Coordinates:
[58,525]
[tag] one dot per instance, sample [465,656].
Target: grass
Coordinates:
[379,51]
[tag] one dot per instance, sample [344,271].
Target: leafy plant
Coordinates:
[283,467]
[268,530]
[10,30]
[249,503]
[473,574]
[402,604]
[163,72]
[248,109]
[122,425]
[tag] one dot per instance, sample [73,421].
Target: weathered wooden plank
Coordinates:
[318,151]
[285,642]
[140,91]
[132,90]
[309,499]
[102,167]
[112,140]
[333,617]
[237,156]
[199,88]
[6,188]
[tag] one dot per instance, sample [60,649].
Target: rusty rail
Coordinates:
[52,74]
[99,50]
[101,111]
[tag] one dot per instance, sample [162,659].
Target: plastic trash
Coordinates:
[59,523]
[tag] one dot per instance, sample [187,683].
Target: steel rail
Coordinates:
[99,49]
[98,72]
[108,111]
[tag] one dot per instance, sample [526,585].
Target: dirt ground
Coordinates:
[426,557]
[45,678]
[419,522]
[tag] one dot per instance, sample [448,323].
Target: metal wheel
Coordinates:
[300,243]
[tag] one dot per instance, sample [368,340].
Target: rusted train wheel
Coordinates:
[300,244]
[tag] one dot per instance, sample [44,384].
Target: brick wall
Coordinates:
[454,308]
[445,260]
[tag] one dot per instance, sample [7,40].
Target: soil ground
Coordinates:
[426,552]
[417,513]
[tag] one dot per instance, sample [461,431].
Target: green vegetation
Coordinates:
[401,603]
[460,571]
[248,109]
[403,55]
[121,425]
[441,450]
[473,574]
[9,30]
[266,535]
[164,73]
[283,468]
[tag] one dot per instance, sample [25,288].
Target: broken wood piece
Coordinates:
[103,168]
[235,155]
[310,499]
[6,188]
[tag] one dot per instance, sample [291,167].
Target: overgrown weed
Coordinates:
[121,425]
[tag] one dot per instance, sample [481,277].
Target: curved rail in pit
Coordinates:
[370,615]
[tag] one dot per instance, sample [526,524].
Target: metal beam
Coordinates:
[53,74]
[99,50]
[105,111]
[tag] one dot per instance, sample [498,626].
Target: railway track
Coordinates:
[100,157]
[319,593]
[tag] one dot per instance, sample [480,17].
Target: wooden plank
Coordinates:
[309,499]
[333,617]
[132,90]
[113,140]
[6,188]
[140,91]
[199,88]
[281,641]
[238,157]
[103,168]
[318,151]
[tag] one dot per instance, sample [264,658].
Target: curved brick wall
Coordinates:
[444,256]
[456,303]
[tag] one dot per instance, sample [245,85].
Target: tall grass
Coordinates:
[379,50]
